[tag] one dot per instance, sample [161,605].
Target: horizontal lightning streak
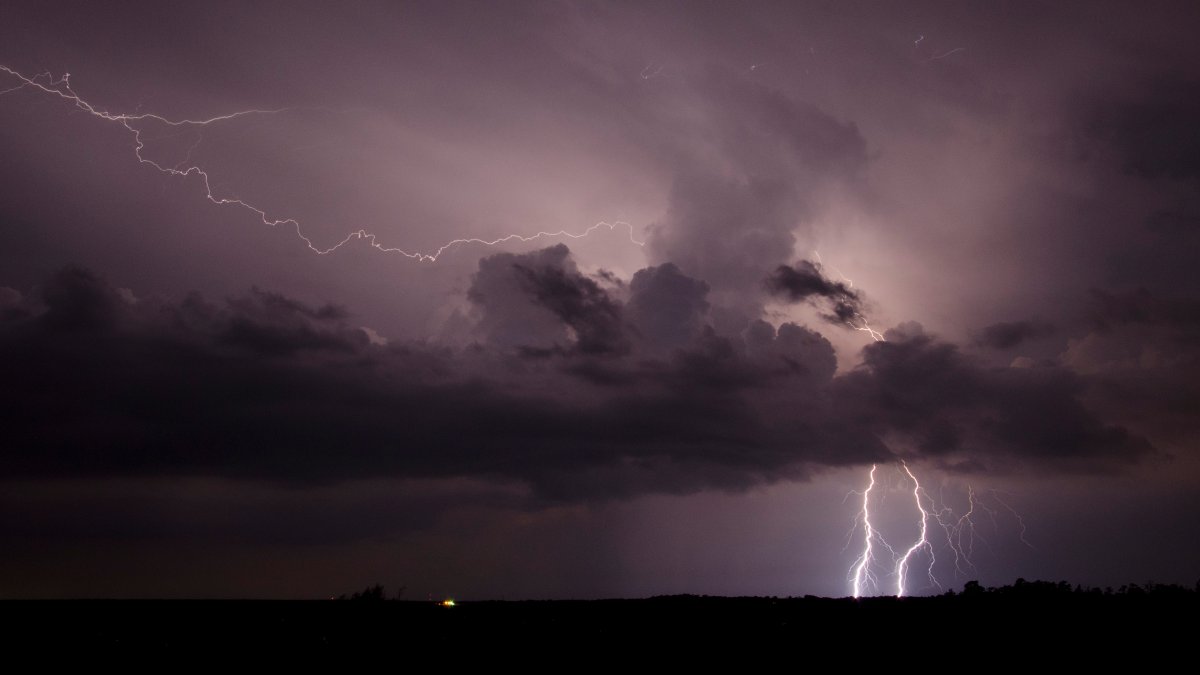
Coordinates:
[61,88]
[945,54]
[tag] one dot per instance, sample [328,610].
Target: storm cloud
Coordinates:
[264,387]
[1009,334]
[1020,179]
[806,282]
[739,198]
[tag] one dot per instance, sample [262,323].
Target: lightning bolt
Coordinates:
[61,88]
[956,529]
[945,54]
[862,574]
[960,533]
[865,327]
[862,326]
[861,571]
[922,542]
[1017,516]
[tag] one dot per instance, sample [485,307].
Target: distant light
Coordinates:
[447,603]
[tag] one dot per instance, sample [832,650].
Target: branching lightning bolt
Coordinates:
[61,88]
[862,567]
[922,542]
[960,534]
[862,573]
[1020,520]
[956,529]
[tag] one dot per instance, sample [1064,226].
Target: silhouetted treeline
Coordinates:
[1025,615]
[372,593]
[1035,589]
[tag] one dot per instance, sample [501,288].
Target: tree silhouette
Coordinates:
[370,593]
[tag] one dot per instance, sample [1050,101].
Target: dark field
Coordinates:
[1028,616]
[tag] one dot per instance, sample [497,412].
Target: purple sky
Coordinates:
[196,404]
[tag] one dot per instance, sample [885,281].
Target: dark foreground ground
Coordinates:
[1029,616]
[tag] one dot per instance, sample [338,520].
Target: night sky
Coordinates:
[959,237]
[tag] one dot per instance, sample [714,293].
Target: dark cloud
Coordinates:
[967,165]
[510,314]
[666,307]
[797,349]
[1160,256]
[220,511]
[262,387]
[76,300]
[580,304]
[540,302]
[1009,334]
[947,406]
[1109,309]
[806,282]
[1143,359]
[1153,128]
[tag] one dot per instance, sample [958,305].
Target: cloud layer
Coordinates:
[573,391]
[1020,179]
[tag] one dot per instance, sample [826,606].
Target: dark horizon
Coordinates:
[597,299]
[1040,619]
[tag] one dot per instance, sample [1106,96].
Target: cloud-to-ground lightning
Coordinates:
[922,542]
[960,533]
[957,529]
[862,570]
[877,558]
[861,573]
[61,88]
[1011,510]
